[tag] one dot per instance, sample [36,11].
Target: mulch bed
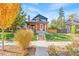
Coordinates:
[13,51]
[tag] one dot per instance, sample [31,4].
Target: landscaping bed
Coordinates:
[57,51]
[14,51]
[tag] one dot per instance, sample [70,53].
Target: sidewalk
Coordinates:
[42,43]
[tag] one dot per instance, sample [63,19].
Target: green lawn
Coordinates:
[49,36]
[34,38]
[7,35]
[10,35]
[57,37]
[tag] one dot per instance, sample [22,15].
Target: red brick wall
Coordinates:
[38,26]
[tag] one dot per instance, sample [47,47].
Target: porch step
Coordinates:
[41,35]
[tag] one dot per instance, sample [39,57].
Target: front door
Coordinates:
[41,27]
[41,35]
[32,27]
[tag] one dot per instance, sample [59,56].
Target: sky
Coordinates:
[50,10]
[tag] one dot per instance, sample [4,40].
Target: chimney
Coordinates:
[29,18]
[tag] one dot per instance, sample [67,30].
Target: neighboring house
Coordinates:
[68,25]
[38,23]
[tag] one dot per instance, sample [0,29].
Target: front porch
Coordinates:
[37,26]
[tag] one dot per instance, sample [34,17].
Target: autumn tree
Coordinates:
[20,20]
[8,13]
[72,17]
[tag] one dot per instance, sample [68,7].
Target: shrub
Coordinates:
[57,50]
[52,50]
[77,32]
[70,49]
[34,38]
[73,48]
[23,38]
[9,36]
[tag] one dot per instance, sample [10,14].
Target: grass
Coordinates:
[34,37]
[57,37]
[49,36]
[10,35]
[7,35]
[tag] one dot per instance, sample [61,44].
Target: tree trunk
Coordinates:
[2,39]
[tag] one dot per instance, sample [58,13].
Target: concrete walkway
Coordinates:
[41,51]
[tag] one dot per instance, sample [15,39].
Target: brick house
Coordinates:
[38,23]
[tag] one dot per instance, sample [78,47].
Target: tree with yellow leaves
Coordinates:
[8,12]
[72,17]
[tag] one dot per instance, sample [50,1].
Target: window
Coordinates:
[37,19]
[44,20]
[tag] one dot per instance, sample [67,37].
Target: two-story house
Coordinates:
[38,23]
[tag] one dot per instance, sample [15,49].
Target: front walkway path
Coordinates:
[42,46]
[41,51]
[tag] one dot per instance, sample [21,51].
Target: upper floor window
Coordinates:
[44,20]
[38,19]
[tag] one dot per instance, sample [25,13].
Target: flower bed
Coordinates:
[15,51]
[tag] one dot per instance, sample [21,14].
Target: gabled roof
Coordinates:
[72,22]
[40,16]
